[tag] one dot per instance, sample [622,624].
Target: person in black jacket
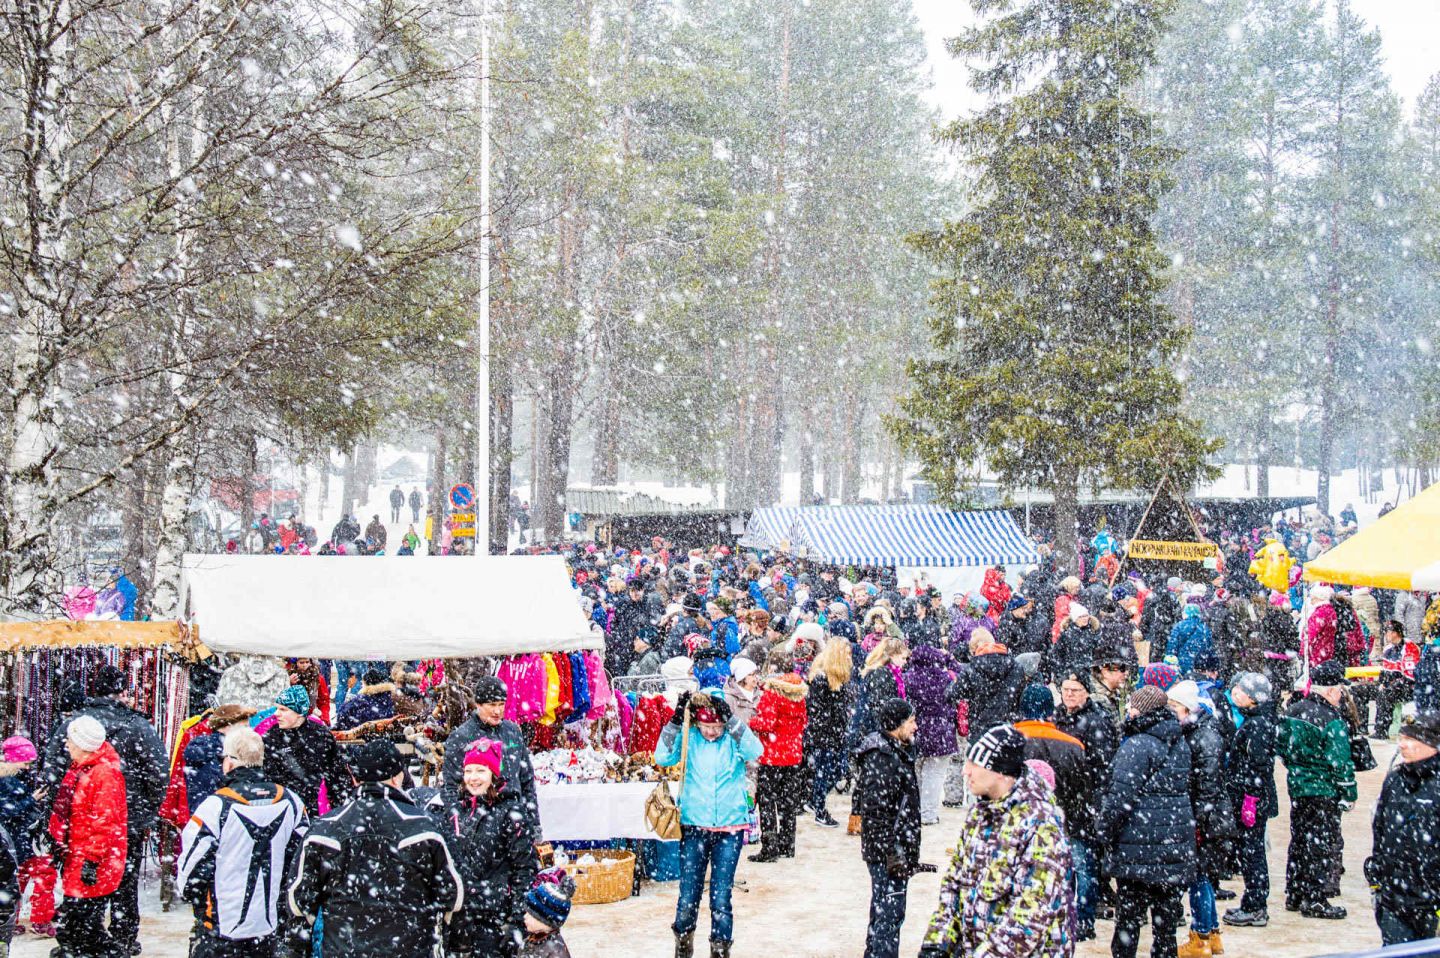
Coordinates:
[1214,824]
[1148,825]
[1077,646]
[1403,869]
[377,867]
[887,798]
[1162,612]
[1088,721]
[827,711]
[144,764]
[301,754]
[1020,629]
[1250,783]
[489,722]
[491,846]
[9,889]
[992,682]
[632,632]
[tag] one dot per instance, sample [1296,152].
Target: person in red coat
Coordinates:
[779,723]
[88,824]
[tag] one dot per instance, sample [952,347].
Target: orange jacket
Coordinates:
[89,825]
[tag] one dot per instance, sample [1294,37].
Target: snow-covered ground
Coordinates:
[815,906]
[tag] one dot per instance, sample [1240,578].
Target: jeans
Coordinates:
[887,912]
[1203,919]
[1087,875]
[1255,868]
[1315,849]
[1399,925]
[931,772]
[1132,900]
[828,764]
[718,853]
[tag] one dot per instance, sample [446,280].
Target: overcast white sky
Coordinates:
[1409,31]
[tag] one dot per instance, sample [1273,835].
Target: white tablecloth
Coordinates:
[594,812]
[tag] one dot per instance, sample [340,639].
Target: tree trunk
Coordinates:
[852,453]
[502,428]
[1067,518]
[324,504]
[1263,454]
[348,484]
[174,538]
[807,466]
[249,465]
[438,490]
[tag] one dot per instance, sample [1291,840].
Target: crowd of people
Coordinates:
[1112,747]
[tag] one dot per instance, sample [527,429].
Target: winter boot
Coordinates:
[1247,919]
[1217,947]
[1197,947]
[719,949]
[685,945]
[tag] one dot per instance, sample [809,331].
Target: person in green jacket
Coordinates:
[1315,744]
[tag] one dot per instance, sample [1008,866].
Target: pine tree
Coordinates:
[1053,353]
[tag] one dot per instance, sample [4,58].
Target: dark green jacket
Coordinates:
[1315,744]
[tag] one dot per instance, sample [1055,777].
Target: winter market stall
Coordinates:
[950,549]
[1400,550]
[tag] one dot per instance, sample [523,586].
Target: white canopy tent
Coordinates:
[386,607]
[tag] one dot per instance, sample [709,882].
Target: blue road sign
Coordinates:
[462,495]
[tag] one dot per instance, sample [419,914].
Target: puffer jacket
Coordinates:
[373,704]
[1007,890]
[1147,820]
[827,714]
[1408,811]
[18,808]
[887,799]
[1315,744]
[779,720]
[992,684]
[90,824]
[1189,638]
[1094,725]
[876,686]
[927,684]
[713,793]
[497,862]
[1214,818]
[306,758]
[1251,766]
[383,874]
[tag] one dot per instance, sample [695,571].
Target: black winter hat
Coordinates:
[1328,673]
[375,677]
[72,697]
[110,680]
[691,602]
[1424,727]
[489,689]
[1001,750]
[376,761]
[893,713]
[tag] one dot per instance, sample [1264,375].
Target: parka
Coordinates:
[1406,873]
[927,684]
[381,871]
[1214,815]
[1147,820]
[18,808]
[143,761]
[991,682]
[1007,891]
[827,716]
[1189,638]
[1094,727]
[713,794]
[1314,741]
[887,799]
[89,823]
[374,703]
[779,720]
[305,758]
[1065,755]
[491,845]
[1073,652]
[1250,769]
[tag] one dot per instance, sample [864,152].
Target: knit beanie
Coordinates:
[1161,675]
[1147,699]
[489,689]
[18,748]
[1037,702]
[294,698]
[1254,685]
[1001,750]
[893,713]
[487,752]
[86,733]
[548,903]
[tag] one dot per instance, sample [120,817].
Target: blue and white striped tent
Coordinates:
[900,535]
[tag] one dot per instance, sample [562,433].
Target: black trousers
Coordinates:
[1399,925]
[1254,867]
[1132,900]
[1312,872]
[81,933]
[207,944]
[1394,690]
[125,901]
[777,799]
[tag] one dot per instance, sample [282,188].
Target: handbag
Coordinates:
[662,812]
[1361,755]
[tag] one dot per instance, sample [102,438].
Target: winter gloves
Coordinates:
[1247,811]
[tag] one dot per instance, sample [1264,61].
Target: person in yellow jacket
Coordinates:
[1271,566]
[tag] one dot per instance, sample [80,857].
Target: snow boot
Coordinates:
[1323,909]
[1241,918]
[1217,947]
[1197,947]
[719,949]
[685,945]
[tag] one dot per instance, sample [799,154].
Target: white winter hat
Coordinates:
[86,733]
[810,631]
[1078,612]
[1322,593]
[1187,693]
[742,668]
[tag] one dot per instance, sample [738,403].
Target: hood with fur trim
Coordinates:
[790,685]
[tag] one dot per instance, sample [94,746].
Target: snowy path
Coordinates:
[816,905]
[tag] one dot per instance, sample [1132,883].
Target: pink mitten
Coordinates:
[1247,811]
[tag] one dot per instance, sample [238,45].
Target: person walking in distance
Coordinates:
[1007,890]
[90,835]
[1315,744]
[397,499]
[714,811]
[416,501]
[887,798]
[234,852]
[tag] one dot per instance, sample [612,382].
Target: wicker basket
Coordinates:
[610,878]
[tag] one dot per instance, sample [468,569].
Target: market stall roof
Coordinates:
[72,634]
[1400,550]
[386,607]
[893,535]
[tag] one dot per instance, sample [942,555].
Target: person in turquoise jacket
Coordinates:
[714,811]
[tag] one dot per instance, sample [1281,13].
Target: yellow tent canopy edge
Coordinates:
[1387,553]
[68,634]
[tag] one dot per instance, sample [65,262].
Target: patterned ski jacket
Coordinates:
[1007,893]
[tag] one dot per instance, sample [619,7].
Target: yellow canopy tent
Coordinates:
[1401,550]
